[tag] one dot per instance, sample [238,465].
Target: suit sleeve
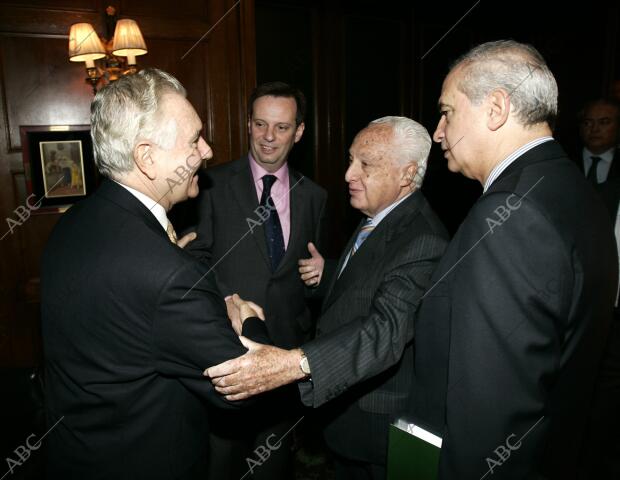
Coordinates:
[509,309]
[191,331]
[368,345]
[321,235]
[320,242]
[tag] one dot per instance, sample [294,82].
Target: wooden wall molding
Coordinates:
[39,86]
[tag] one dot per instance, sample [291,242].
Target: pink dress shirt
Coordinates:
[279,193]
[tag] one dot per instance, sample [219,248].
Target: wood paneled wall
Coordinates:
[360,59]
[356,60]
[39,86]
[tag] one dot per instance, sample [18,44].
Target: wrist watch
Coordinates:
[304,365]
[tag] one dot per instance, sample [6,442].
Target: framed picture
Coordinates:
[58,164]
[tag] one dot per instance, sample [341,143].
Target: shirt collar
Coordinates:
[258,172]
[155,208]
[385,212]
[607,156]
[504,164]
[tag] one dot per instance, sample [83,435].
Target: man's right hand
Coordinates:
[239,310]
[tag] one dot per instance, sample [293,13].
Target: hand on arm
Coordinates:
[311,269]
[261,369]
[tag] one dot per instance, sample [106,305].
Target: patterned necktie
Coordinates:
[362,235]
[592,177]
[172,235]
[273,228]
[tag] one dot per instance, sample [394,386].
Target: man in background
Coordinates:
[257,218]
[599,128]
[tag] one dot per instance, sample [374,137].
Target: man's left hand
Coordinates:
[311,269]
[240,310]
[261,369]
[185,239]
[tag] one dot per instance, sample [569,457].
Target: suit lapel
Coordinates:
[614,169]
[244,191]
[358,266]
[343,256]
[374,247]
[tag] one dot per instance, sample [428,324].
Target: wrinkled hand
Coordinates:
[311,269]
[185,239]
[239,310]
[261,369]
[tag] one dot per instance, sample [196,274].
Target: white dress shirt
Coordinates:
[155,208]
[602,169]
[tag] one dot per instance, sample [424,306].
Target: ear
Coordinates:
[498,103]
[408,177]
[249,124]
[142,156]
[299,132]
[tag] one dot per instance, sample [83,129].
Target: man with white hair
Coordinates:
[362,353]
[510,334]
[129,319]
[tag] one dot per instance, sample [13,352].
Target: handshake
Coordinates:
[263,367]
[310,271]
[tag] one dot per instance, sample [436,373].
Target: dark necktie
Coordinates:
[273,228]
[592,177]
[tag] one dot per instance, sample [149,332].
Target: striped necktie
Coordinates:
[362,235]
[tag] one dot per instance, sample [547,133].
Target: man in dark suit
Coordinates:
[129,319]
[363,352]
[257,217]
[509,336]
[599,128]
[603,442]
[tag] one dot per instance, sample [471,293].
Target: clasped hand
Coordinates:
[262,368]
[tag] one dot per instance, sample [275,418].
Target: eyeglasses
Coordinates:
[601,122]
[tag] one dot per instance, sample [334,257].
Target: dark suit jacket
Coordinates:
[364,333]
[128,328]
[231,236]
[610,192]
[508,339]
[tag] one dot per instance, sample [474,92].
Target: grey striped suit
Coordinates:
[363,353]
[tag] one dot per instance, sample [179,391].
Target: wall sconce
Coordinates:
[118,54]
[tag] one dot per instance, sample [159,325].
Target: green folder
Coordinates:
[413,453]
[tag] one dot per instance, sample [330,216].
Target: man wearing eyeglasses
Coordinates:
[599,130]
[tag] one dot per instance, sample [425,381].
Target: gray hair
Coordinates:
[412,141]
[517,68]
[127,111]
